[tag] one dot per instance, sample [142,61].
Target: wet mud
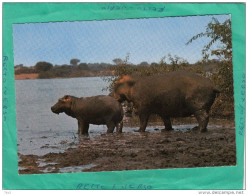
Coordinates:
[139,151]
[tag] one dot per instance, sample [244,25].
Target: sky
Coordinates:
[102,41]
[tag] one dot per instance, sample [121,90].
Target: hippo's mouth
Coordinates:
[55,111]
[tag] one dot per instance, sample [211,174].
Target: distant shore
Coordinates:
[26,76]
[87,74]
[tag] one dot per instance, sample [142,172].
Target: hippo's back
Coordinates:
[185,82]
[178,93]
[102,108]
[103,101]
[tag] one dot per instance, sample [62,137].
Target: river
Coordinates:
[38,129]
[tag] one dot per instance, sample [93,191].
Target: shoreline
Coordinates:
[19,78]
[26,76]
[140,151]
[33,76]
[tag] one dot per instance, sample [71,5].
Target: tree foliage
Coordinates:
[83,66]
[74,62]
[217,31]
[117,61]
[144,64]
[223,79]
[43,66]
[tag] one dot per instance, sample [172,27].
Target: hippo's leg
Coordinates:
[111,127]
[119,127]
[167,124]
[143,121]
[202,117]
[83,127]
[80,127]
[86,129]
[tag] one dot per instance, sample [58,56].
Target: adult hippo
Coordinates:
[174,94]
[91,110]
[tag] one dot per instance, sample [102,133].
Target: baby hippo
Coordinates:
[91,110]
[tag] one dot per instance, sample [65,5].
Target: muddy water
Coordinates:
[180,148]
[49,142]
[43,142]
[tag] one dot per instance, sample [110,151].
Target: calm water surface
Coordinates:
[38,129]
[34,99]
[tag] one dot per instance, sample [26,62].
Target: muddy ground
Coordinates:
[137,151]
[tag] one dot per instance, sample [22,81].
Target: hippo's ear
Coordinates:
[67,98]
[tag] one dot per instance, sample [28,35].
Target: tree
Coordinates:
[217,31]
[83,66]
[154,64]
[118,61]
[144,64]
[74,62]
[43,66]
[223,79]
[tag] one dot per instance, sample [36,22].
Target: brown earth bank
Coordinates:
[26,76]
[139,151]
